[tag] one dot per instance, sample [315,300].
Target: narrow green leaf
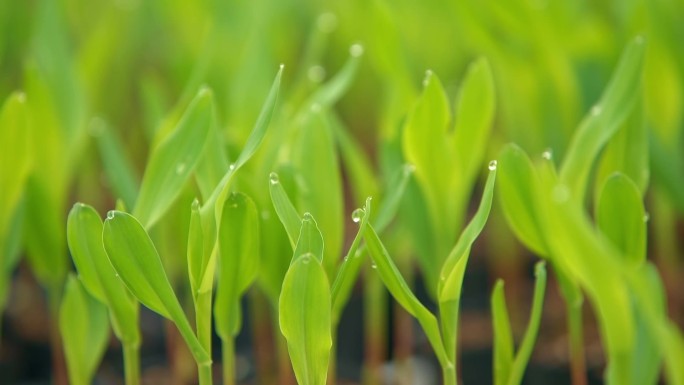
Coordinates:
[402,293]
[391,201]
[15,156]
[349,269]
[238,261]
[310,239]
[174,159]
[286,211]
[527,345]
[84,236]
[518,193]
[197,259]
[604,119]
[621,217]
[451,278]
[503,338]
[305,319]
[116,164]
[135,259]
[84,328]
[332,90]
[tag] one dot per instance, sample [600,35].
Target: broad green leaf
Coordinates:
[238,261]
[425,145]
[84,236]
[85,331]
[451,278]
[621,217]
[116,164]
[518,193]
[503,339]
[305,320]
[310,239]
[197,258]
[474,115]
[604,119]
[349,269]
[402,293]
[320,187]
[286,211]
[15,157]
[135,259]
[527,345]
[174,159]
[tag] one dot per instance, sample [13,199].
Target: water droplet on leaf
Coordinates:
[356,50]
[316,74]
[596,110]
[110,214]
[492,165]
[273,178]
[547,154]
[357,215]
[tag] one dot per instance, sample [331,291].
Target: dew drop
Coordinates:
[316,73]
[357,215]
[492,165]
[646,217]
[307,216]
[231,167]
[180,168]
[273,178]
[306,258]
[346,258]
[560,193]
[373,265]
[356,50]
[282,65]
[110,214]
[195,205]
[327,22]
[547,154]
[426,79]
[116,275]
[596,110]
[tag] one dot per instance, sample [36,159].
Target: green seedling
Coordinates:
[85,332]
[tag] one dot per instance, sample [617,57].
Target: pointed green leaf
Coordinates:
[84,235]
[503,339]
[305,320]
[604,119]
[310,239]
[135,259]
[349,269]
[395,192]
[451,278]
[286,211]
[530,337]
[85,330]
[174,159]
[197,259]
[518,193]
[402,293]
[621,217]
[328,94]
[238,261]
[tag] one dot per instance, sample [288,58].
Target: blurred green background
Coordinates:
[121,69]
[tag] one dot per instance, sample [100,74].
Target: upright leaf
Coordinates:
[135,259]
[284,208]
[621,217]
[503,339]
[310,239]
[85,329]
[84,236]
[238,261]
[174,159]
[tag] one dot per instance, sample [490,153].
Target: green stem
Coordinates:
[228,351]
[375,320]
[449,374]
[131,353]
[204,370]
[577,362]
